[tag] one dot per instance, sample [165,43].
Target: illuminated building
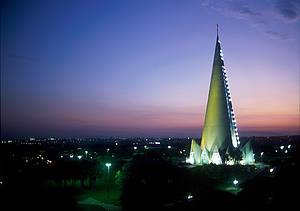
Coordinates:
[219,135]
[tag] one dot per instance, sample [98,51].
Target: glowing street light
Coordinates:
[235,182]
[271,170]
[108,165]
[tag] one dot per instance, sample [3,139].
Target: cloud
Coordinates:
[244,12]
[237,9]
[289,10]
[277,35]
[259,13]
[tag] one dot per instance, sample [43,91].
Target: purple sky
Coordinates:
[75,68]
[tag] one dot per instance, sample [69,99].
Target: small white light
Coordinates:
[79,157]
[116,144]
[108,165]
[271,170]
[169,147]
[135,148]
[285,151]
[282,147]
[190,196]
[235,182]
[262,153]
[289,146]
[71,156]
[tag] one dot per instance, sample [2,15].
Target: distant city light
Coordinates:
[107,150]
[285,151]
[271,170]
[86,152]
[169,147]
[49,161]
[281,147]
[135,148]
[71,156]
[169,139]
[61,156]
[235,182]
[276,150]
[108,165]
[79,157]
[190,196]
[262,153]
[289,146]
[157,142]
[116,144]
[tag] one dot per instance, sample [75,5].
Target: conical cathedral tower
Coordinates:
[219,134]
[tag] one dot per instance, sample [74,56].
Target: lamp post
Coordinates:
[108,165]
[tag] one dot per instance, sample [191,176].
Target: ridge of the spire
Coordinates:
[217,30]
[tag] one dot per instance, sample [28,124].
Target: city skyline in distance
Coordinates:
[143,69]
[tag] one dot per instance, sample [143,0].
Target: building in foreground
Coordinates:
[220,140]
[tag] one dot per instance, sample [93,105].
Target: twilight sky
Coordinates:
[76,68]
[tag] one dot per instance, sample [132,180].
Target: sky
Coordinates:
[76,68]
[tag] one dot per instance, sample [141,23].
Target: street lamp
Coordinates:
[235,182]
[107,165]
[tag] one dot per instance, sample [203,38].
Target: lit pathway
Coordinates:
[92,201]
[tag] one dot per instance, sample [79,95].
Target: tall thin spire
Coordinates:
[219,135]
[219,130]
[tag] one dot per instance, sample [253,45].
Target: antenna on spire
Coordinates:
[217,30]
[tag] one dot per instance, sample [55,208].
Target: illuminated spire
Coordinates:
[220,129]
